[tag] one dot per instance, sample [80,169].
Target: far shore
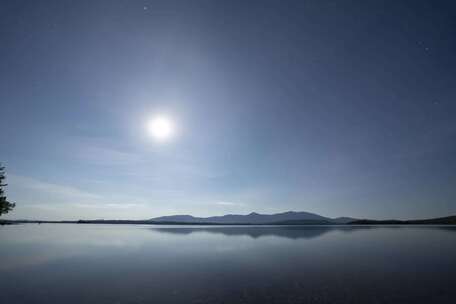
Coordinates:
[451,220]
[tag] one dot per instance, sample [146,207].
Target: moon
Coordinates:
[161,128]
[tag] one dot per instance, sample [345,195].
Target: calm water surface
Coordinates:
[64,263]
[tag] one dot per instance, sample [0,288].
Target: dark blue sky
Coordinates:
[333,107]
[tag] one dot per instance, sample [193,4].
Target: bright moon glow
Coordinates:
[161,128]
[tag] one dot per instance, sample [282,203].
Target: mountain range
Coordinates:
[290,217]
[284,218]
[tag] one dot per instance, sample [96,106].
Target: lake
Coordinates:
[70,263]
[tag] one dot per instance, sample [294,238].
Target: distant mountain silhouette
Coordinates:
[290,217]
[285,218]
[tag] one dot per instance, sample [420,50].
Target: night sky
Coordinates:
[342,108]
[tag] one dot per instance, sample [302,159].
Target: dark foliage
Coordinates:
[5,206]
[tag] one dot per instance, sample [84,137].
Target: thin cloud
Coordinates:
[107,156]
[59,193]
[222,203]
[109,205]
[33,192]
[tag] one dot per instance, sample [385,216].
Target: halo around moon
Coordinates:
[161,128]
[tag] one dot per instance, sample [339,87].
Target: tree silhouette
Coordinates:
[5,206]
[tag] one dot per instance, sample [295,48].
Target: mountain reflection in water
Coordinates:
[105,264]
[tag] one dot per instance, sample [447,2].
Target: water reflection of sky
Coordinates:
[136,264]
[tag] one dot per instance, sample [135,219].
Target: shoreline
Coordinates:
[139,222]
